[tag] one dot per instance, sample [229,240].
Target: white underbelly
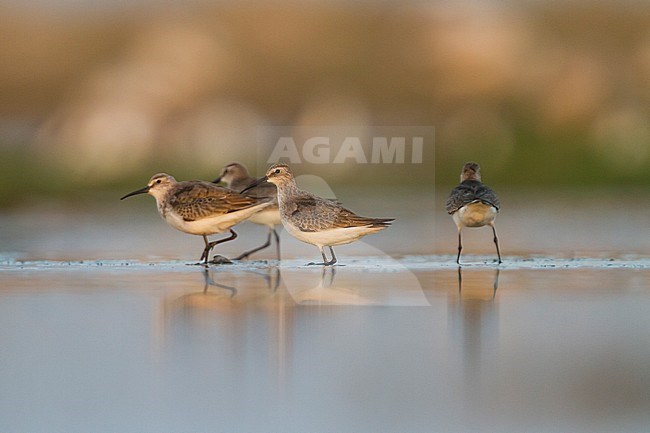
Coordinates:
[333,237]
[268,217]
[475,214]
[212,225]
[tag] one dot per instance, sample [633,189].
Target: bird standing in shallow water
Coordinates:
[200,208]
[473,204]
[236,177]
[315,220]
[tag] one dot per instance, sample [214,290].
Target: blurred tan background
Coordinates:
[98,96]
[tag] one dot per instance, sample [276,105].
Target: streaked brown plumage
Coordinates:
[200,208]
[315,220]
[311,213]
[194,200]
[236,177]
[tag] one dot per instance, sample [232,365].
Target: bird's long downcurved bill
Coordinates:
[136,192]
[254,184]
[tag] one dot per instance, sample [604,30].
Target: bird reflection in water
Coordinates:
[272,277]
[209,281]
[474,333]
[234,317]
[339,286]
[325,292]
[240,288]
[495,283]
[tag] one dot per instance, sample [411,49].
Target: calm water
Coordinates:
[132,339]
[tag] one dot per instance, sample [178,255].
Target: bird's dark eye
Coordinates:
[277,171]
[159,180]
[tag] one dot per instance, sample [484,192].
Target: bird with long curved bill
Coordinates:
[200,208]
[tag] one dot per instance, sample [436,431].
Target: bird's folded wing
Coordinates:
[198,201]
[468,192]
[310,213]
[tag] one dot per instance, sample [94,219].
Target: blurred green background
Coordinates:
[97,96]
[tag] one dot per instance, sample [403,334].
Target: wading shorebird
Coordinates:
[473,204]
[315,220]
[200,208]
[236,177]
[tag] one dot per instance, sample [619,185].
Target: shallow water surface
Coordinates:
[104,327]
[405,344]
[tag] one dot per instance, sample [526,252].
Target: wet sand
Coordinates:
[105,325]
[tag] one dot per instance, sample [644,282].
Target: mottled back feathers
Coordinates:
[195,200]
[310,213]
[470,191]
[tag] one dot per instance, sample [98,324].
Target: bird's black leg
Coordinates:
[496,241]
[460,247]
[322,253]
[206,251]
[325,261]
[331,262]
[210,245]
[254,250]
